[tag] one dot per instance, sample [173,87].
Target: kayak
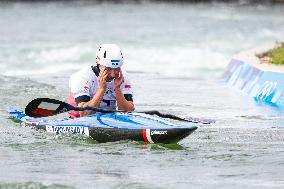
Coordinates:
[111,127]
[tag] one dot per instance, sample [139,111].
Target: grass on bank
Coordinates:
[274,56]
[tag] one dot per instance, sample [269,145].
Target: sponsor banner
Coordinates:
[68,129]
[263,86]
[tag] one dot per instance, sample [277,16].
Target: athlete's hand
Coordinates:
[102,79]
[118,80]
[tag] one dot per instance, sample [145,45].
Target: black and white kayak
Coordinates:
[112,126]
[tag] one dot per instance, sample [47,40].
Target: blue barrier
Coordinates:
[263,86]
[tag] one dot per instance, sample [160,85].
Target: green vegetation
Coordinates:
[276,55]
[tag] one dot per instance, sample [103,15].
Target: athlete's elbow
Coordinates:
[127,108]
[131,107]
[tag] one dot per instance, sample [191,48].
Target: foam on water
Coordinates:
[48,61]
[55,56]
[175,62]
[187,40]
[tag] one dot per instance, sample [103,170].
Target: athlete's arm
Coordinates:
[122,102]
[98,97]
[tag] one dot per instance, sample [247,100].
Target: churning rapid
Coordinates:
[175,54]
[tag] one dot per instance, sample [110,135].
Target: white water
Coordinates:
[177,40]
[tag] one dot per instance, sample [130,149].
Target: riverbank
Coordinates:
[264,82]
[258,57]
[273,56]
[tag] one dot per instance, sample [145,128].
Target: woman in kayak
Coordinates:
[103,86]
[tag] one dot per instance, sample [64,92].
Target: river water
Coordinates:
[176,54]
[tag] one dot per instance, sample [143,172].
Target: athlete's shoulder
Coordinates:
[85,74]
[125,74]
[80,78]
[126,86]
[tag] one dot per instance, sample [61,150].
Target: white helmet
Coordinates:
[109,55]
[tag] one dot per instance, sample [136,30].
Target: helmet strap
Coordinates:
[96,70]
